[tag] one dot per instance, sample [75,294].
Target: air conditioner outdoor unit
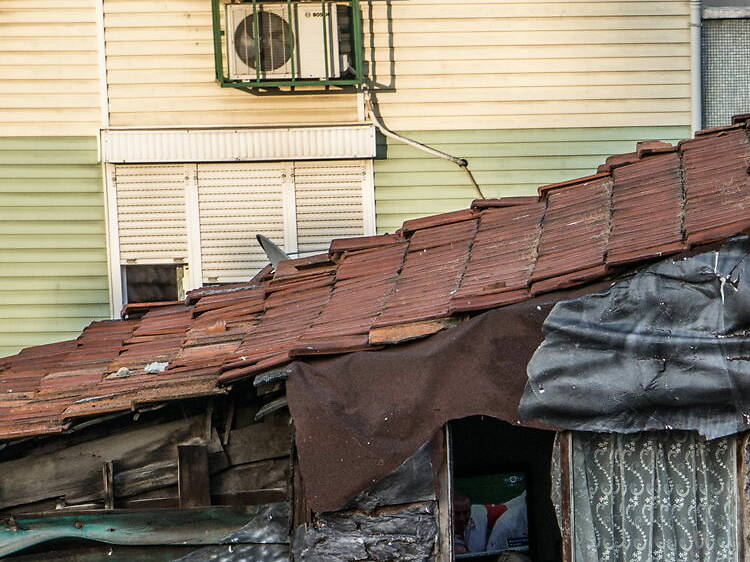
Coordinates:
[278,40]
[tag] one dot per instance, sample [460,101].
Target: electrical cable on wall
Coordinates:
[460,162]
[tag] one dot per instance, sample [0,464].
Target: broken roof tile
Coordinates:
[646,208]
[717,183]
[504,251]
[431,273]
[573,215]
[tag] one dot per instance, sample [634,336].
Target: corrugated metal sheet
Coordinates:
[229,145]
[367,292]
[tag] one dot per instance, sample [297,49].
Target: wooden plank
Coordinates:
[263,475]
[108,477]
[445,499]
[145,459]
[192,476]
[250,497]
[409,331]
[268,439]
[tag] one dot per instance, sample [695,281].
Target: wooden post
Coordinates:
[108,478]
[192,476]
[445,500]
[566,449]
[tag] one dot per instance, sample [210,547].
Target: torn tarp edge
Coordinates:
[668,348]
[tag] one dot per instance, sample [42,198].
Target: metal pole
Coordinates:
[696,85]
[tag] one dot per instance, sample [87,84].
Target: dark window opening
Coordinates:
[152,283]
[501,492]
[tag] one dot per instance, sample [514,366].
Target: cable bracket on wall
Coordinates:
[460,162]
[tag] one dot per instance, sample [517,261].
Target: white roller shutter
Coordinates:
[236,202]
[207,215]
[151,222]
[329,202]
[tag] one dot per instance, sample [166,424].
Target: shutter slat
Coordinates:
[329,202]
[237,201]
[151,213]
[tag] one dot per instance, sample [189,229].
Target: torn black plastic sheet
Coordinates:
[668,348]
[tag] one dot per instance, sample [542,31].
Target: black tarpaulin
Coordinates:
[359,416]
[668,348]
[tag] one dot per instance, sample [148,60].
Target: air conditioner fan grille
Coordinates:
[275,45]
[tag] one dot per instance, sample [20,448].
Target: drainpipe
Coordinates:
[696,84]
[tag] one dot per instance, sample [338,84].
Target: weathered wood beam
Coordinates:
[193,487]
[144,457]
[108,481]
[269,439]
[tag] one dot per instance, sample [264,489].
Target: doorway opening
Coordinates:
[501,492]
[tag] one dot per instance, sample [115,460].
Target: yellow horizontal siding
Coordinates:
[438,64]
[160,59]
[505,65]
[49,68]
[411,184]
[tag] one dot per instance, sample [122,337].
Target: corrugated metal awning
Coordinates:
[238,144]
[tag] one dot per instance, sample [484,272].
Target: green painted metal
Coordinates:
[359,61]
[258,83]
[506,162]
[198,526]
[53,262]
[217,32]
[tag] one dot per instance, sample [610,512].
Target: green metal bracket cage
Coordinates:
[356,75]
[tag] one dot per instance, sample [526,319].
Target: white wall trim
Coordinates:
[192,217]
[113,242]
[238,145]
[368,199]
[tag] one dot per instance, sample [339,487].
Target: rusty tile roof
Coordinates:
[372,291]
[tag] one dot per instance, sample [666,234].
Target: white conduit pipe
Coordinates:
[696,85]
[460,162]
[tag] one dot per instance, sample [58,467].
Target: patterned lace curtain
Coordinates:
[659,496]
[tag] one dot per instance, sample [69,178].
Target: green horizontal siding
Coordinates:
[53,259]
[410,183]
